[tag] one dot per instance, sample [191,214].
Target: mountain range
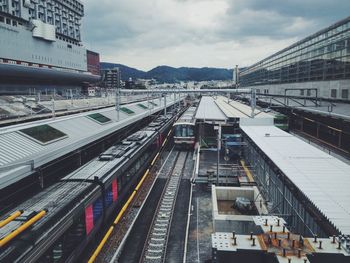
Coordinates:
[170,74]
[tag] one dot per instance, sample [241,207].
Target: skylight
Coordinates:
[142,106]
[98,117]
[126,110]
[44,134]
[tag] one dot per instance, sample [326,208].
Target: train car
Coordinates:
[185,129]
[58,224]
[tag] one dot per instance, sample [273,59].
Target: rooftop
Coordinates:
[21,153]
[323,179]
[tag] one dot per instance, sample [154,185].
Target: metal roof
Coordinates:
[323,179]
[188,117]
[235,109]
[209,111]
[20,155]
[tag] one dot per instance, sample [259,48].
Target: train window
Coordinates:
[44,134]
[190,131]
[98,117]
[178,131]
[97,210]
[184,131]
[109,196]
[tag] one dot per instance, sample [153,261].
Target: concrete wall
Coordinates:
[224,223]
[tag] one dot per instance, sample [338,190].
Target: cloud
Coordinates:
[201,32]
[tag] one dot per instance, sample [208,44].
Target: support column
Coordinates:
[253,102]
[165,104]
[117,94]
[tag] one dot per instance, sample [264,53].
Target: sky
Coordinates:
[201,33]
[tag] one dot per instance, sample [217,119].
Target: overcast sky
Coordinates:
[201,33]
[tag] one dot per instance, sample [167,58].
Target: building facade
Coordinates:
[40,44]
[320,61]
[110,78]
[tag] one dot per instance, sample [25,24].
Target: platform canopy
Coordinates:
[208,110]
[322,178]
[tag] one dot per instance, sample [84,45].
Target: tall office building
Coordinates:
[320,61]
[40,44]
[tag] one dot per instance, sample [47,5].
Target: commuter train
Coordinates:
[185,129]
[59,223]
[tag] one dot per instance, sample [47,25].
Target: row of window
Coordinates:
[305,47]
[320,58]
[344,93]
[318,69]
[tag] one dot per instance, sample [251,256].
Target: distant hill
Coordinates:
[127,72]
[170,74]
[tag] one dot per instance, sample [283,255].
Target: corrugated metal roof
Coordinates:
[17,150]
[235,109]
[208,110]
[323,179]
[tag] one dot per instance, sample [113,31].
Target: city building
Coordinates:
[319,62]
[41,48]
[110,78]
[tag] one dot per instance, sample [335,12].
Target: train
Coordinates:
[185,129]
[60,223]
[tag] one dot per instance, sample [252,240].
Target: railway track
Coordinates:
[117,237]
[154,250]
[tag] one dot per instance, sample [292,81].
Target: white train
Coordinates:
[185,129]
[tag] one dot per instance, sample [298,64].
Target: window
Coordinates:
[8,21]
[333,93]
[308,92]
[345,94]
[302,92]
[44,134]
[2,19]
[98,117]
[126,110]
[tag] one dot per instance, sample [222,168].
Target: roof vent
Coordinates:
[267,134]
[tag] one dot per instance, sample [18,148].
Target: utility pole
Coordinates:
[218,128]
[165,104]
[117,93]
[236,77]
[253,102]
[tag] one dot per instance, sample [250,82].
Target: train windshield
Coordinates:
[184,131]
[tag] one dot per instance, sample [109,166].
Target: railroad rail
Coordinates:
[157,238]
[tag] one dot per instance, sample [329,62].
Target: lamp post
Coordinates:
[218,128]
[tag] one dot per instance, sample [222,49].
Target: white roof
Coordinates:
[323,179]
[235,109]
[208,110]
[20,154]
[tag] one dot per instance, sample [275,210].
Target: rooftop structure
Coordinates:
[26,147]
[295,173]
[223,109]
